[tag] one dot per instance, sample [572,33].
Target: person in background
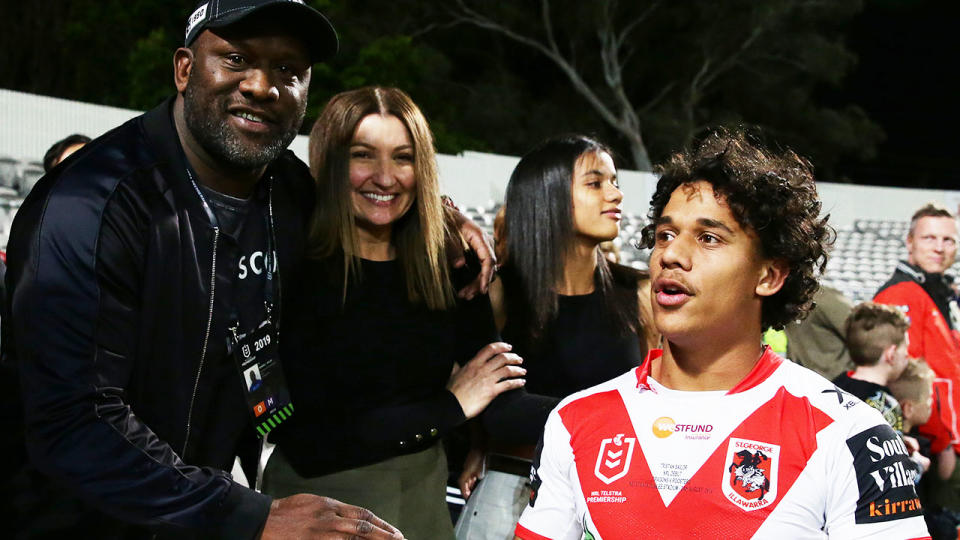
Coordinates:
[877,339]
[610,251]
[818,342]
[914,391]
[920,289]
[576,318]
[923,292]
[378,312]
[62,149]
[776,340]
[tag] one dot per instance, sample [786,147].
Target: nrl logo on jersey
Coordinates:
[750,473]
[613,460]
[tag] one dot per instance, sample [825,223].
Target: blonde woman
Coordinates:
[378,378]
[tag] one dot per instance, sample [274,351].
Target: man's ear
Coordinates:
[182,65]
[773,274]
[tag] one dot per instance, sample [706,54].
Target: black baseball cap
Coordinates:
[314,28]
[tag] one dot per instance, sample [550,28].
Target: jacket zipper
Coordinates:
[206,339]
[275,255]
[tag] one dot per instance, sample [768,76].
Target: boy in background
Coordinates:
[877,340]
[914,391]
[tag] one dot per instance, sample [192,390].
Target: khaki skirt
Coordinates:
[408,492]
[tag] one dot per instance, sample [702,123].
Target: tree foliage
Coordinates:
[645,75]
[659,73]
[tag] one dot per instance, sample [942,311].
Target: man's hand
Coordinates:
[487,375]
[482,245]
[311,516]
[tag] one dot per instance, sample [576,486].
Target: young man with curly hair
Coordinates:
[715,435]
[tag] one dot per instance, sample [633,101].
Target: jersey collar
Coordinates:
[768,363]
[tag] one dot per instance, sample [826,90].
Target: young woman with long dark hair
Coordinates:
[377,381]
[576,319]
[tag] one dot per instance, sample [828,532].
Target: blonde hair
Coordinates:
[914,384]
[419,236]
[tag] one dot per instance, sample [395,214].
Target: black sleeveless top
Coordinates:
[581,347]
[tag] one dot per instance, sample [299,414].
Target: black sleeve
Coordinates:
[365,438]
[376,434]
[75,313]
[416,425]
[517,417]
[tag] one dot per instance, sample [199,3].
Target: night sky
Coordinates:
[907,55]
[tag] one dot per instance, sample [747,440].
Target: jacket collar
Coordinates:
[913,272]
[917,274]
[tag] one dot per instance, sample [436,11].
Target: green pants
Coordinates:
[409,491]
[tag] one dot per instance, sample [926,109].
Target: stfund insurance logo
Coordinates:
[665,426]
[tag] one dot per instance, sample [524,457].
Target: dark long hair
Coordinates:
[539,233]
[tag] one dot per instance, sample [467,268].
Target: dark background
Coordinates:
[859,86]
[907,56]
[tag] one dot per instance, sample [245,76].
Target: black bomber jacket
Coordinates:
[115,285]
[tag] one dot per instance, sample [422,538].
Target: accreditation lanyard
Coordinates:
[255,350]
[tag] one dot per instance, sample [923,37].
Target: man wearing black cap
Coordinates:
[148,278]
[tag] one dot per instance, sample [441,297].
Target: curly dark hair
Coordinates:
[772,194]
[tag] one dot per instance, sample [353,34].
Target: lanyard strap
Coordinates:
[271,238]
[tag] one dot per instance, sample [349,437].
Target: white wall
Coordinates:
[847,202]
[29,124]
[475,178]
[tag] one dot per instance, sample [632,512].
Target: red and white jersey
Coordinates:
[784,454]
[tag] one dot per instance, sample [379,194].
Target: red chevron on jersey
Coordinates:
[784,454]
[712,489]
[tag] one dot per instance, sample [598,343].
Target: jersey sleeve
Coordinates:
[871,486]
[552,511]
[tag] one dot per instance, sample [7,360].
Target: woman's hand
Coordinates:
[481,244]
[472,471]
[485,376]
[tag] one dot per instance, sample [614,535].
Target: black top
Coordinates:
[371,382]
[116,368]
[582,347]
[244,226]
[875,395]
